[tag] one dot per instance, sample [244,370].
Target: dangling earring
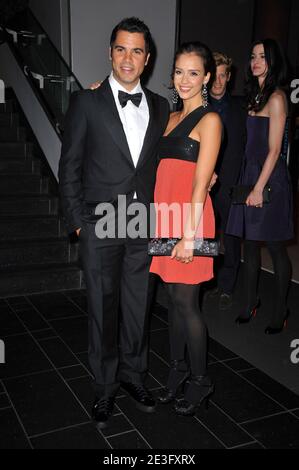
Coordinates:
[175,96]
[204,94]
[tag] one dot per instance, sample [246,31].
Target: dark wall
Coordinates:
[231,25]
[279,19]
[224,26]
[293,40]
[272,19]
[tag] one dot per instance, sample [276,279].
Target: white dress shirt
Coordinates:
[134,119]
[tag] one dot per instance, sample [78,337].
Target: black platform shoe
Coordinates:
[199,392]
[251,313]
[142,397]
[102,410]
[270,330]
[176,381]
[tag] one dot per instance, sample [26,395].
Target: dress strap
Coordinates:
[184,128]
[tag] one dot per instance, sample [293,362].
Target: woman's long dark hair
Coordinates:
[277,75]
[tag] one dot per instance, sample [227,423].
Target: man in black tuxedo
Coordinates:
[109,150]
[232,110]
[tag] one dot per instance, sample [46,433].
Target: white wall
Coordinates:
[92,22]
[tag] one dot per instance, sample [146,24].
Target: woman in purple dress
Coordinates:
[265,164]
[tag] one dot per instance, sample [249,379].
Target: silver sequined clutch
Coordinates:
[202,246]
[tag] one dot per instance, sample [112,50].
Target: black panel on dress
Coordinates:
[177,144]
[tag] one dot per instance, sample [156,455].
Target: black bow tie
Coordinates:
[125,97]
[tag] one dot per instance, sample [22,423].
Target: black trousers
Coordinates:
[228,272]
[117,281]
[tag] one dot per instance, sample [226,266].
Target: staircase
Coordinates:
[36,254]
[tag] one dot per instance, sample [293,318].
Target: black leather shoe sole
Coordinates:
[139,405]
[101,412]
[100,424]
[144,408]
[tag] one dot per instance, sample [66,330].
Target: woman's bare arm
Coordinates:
[210,131]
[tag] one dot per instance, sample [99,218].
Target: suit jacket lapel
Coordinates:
[148,139]
[111,118]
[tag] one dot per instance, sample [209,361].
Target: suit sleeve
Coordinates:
[71,163]
[164,112]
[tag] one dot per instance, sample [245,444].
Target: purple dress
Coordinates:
[274,221]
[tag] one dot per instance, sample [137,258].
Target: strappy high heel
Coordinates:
[169,394]
[205,388]
[251,313]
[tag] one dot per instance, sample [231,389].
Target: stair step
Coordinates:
[32,205]
[36,255]
[7,107]
[36,252]
[39,279]
[12,134]
[9,120]
[25,227]
[23,184]
[20,166]
[15,149]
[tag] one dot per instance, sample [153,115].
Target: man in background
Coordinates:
[233,113]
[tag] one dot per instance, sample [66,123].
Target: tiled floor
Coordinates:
[46,393]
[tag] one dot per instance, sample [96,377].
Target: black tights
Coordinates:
[187,327]
[282,276]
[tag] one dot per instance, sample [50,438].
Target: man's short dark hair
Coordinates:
[133,25]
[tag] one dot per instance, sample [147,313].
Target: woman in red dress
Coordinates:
[187,154]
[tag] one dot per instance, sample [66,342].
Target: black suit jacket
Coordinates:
[234,139]
[230,156]
[96,164]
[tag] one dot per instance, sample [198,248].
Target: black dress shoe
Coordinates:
[102,410]
[225,301]
[142,397]
[212,293]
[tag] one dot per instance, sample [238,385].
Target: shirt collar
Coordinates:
[115,86]
[222,100]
